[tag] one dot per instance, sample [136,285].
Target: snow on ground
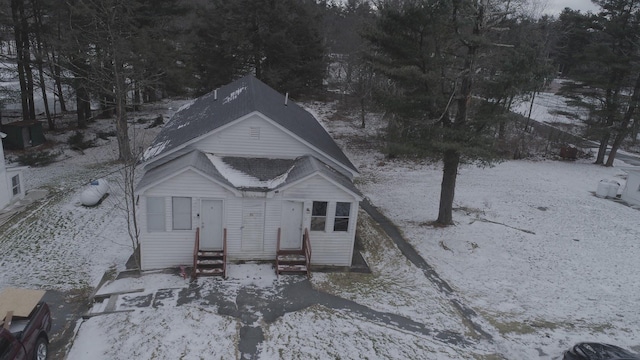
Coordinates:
[552,108]
[68,245]
[184,332]
[321,333]
[543,261]
[395,285]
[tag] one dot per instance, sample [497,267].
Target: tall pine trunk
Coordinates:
[451,156]
[122,128]
[37,15]
[16,13]
[450,162]
[602,149]
[624,124]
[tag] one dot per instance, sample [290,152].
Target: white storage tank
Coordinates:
[603,189]
[94,192]
[613,189]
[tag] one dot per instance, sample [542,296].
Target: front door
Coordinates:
[211,229]
[291,237]
[253,224]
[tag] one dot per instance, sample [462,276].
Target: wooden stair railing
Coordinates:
[210,262]
[306,245]
[224,254]
[196,247]
[296,261]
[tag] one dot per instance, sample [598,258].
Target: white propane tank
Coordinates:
[94,192]
[603,189]
[613,189]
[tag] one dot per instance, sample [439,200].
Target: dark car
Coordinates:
[597,351]
[26,337]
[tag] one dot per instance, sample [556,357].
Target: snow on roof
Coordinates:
[234,94]
[186,105]
[154,150]
[241,179]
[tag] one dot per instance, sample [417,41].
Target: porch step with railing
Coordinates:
[208,262]
[294,261]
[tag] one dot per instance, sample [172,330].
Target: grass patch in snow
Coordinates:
[394,285]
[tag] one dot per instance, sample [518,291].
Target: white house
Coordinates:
[631,191]
[11,181]
[249,173]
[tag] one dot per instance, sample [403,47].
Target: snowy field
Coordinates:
[543,261]
[553,109]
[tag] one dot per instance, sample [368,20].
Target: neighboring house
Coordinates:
[244,166]
[11,181]
[631,191]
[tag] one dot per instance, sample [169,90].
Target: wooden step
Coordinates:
[209,271]
[292,258]
[292,268]
[210,261]
[205,253]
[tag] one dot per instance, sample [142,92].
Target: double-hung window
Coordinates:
[155,214]
[181,213]
[319,215]
[341,220]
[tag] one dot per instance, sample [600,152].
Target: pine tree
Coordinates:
[606,64]
[440,56]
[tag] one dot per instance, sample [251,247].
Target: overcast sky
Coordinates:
[554,7]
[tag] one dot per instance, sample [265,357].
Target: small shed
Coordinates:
[23,134]
[631,191]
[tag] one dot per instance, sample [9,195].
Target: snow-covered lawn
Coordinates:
[545,261]
[542,260]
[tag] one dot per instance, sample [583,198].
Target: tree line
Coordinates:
[446,72]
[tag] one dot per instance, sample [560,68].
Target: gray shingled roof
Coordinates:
[260,168]
[232,101]
[195,159]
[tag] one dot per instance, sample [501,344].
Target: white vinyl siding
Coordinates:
[174,248]
[156,214]
[631,191]
[255,136]
[328,247]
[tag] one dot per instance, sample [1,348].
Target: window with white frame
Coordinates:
[155,214]
[319,215]
[15,184]
[181,213]
[341,220]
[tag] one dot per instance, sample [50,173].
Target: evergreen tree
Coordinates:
[606,63]
[277,40]
[437,54]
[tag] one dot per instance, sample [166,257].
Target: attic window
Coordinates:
[254,132]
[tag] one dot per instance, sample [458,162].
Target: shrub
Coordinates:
[36,159]
[105,135]
[77,142]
